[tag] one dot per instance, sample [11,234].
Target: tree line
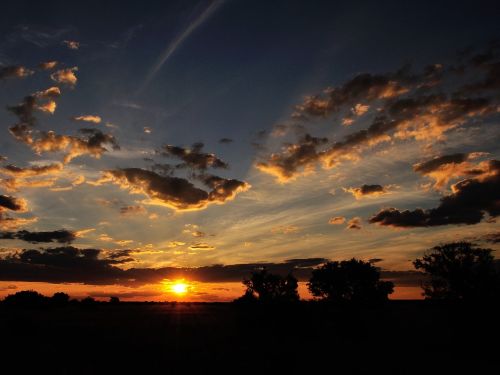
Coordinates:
[454,271]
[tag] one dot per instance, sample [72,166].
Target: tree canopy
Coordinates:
[349,281]
[267,287]
[459,270]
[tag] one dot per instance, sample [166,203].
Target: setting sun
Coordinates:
[179,288]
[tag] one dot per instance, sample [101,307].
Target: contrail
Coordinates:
[178,41]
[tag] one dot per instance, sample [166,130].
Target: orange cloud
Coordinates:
[337,220]
[65,76]
[88,118]
[354,223]
[48,65]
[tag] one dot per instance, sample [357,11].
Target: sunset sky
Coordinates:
[147,143]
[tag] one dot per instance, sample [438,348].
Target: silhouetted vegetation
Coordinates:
[114,300]
[60,299]
[459,271]
[349,281]
[26,298]
[267,287]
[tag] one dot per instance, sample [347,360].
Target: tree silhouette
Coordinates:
[458,270]
[349,281]
[267,287]
[26,298]
[59,299]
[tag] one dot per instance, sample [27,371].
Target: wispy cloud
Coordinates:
[177,42]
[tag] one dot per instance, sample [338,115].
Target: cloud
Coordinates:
[35,170]
[14,71]
[193,157]
[354,223]
[9,203]
[367,191]
[223,189]
[285,229]
[65,76]
[201,246]
[61,236]
[225,140]
[21,176]
[444,168]
[47,65]
[12,203]
[176,244]
[363,87]
[72,44]
[88,118]
[41,100]
[174,192]
[468,203]
[193,230]
[11,223]
[337,220]
[133,210]
[92,143]
[177,42]
[404,106]
[97,267]
[285,165]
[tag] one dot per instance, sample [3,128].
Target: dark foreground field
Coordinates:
[400,338]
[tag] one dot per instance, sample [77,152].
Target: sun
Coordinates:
[179,288]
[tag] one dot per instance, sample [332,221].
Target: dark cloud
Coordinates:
[175,192]
[225,140]
[15,71]
[95,267]
[24,111]
[286,165]
[363,87]
[193,157]
[488,64]
[433,164]
[61,236]
[367,190]
[223,189]
[444,168]
[408,106]
[11,203]
[468,203]
[31,171]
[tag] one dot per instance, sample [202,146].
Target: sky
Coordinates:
[147,144]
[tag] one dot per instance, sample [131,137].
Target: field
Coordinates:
[404,337]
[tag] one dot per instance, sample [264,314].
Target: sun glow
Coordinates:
[179,287]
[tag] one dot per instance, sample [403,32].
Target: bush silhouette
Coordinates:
[26,298]
[60,299]
[114,300]
[461,271]
[349,281]
[267,287]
